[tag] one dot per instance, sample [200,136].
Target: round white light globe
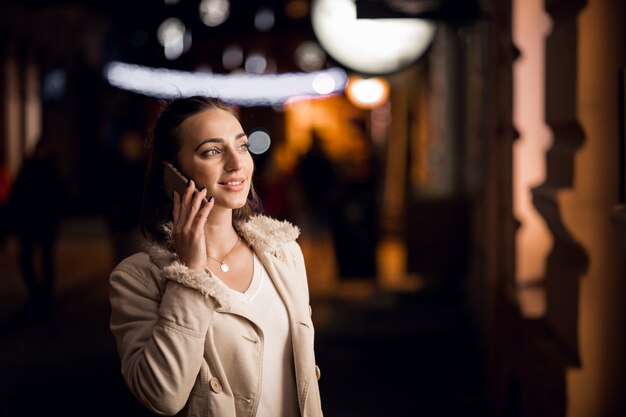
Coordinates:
[259,141]
[370,46]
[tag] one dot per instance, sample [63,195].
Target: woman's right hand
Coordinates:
[190,214]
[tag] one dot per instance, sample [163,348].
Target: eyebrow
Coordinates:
[217,140]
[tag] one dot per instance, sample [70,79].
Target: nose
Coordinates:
[233,160]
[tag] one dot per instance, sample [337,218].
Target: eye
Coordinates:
[244,147]
[210,152]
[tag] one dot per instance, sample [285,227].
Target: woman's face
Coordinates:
[214,153]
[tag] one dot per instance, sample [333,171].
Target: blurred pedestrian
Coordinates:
[214,319]
[33,213]
[319,181]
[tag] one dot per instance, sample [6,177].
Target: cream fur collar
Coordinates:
[262,233]
[265,234]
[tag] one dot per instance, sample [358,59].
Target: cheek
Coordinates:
[204,176]
[250,165]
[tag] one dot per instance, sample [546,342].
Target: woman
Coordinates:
[214,319]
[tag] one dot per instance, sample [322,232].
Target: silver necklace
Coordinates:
[223,265]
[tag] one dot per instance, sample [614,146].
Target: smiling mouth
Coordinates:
[232,185]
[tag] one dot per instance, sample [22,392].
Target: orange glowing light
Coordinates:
[367,93]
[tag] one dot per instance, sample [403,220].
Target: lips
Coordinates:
[233,184]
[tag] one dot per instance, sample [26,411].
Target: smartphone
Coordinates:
[173,180]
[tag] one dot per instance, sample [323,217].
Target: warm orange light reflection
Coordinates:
[391,256]
[297,9]
[333,119]
[533,243]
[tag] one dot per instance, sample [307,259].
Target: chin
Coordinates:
[233,203]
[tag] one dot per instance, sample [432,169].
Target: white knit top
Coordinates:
[278,387]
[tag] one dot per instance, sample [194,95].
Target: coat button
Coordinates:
[318,373]
[215,385]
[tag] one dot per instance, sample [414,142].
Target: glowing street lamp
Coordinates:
[369,46]
[367,93]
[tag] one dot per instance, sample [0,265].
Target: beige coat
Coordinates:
[185,349]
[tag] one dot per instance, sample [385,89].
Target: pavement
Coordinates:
[384,354]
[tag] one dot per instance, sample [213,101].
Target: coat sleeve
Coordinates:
[160,336]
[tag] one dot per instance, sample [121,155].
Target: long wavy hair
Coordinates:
[164,143]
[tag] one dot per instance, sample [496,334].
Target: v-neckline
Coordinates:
[253,289]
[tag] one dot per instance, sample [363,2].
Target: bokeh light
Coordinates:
[232,57]
[367,93]
[237,88]
[259,141]
[323,83]
[174,37]
[214,12]
[371,46]
[256,63]
[309,56]
[297,9]
[264,19]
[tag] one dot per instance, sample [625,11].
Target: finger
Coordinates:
[196,203]
[200,197]
[203,214]
[185,202]
[189,191]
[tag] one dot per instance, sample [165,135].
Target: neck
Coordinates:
[219,232]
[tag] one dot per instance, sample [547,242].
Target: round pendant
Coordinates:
[224,267]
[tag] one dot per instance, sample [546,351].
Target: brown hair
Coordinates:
[163,145]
